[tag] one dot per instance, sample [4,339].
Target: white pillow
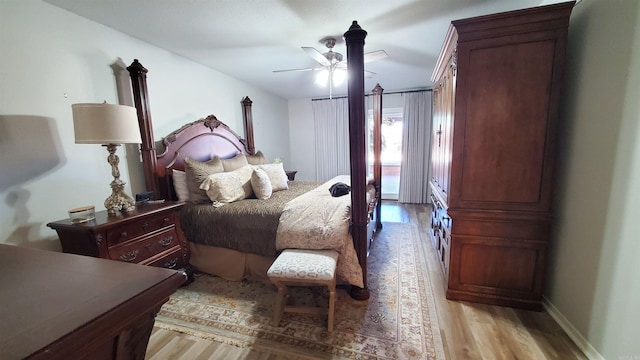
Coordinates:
[180,185]
[229,186]
[261,184]
[277,176]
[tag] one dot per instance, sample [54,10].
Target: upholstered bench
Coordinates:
[296,267]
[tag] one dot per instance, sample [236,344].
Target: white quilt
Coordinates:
[316,220]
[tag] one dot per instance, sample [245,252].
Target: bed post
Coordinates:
[354,38]
[247,119]
[377,149]
[141,100]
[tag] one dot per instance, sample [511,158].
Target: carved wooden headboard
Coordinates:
[200,140]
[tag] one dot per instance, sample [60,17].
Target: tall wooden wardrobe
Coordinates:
[497,87]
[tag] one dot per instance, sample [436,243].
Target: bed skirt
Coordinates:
[229,264]
[233,265]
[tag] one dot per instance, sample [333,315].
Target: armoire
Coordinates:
[497,88]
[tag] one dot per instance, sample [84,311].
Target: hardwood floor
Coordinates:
[468,331]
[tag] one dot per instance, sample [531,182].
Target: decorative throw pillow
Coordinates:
[257,159]
[235,163]
[226,187]
[277,176]
[197,172]
[261,184]
[180,184]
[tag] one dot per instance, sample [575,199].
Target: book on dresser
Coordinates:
[497,88]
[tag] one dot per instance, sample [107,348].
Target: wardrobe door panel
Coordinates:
[503,144]
[501,266]
[441,140]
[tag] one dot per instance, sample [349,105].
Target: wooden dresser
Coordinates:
[149,235]
[497,86]
[64,306]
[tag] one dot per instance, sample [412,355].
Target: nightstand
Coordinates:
[149,235]
[291,174]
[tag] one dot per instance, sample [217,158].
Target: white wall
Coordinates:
[51,59]
[301,130]
[594,275]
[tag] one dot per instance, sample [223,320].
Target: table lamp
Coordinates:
[110,125]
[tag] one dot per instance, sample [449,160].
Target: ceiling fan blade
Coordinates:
[316,55]
[343,66]
[375,55]
[305,69]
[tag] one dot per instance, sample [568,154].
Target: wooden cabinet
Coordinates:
[149,235]
[497,88]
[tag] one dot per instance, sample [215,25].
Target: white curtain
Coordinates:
[416,130]
[331,120]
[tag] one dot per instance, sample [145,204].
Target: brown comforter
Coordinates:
[248,225]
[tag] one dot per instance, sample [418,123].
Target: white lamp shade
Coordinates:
[105,124]
[339,76]
[322,77]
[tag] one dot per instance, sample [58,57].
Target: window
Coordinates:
[391,156]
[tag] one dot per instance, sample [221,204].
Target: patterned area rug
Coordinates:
[397,322]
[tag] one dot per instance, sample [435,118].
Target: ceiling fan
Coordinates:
[334,65]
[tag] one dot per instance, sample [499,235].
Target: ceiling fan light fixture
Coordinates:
[339,76]
[322,77]
[334,70]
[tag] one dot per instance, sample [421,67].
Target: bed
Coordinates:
[256,220]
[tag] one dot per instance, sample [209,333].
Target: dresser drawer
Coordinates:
[137,228]
[505,227]
[139,250]
[173,259]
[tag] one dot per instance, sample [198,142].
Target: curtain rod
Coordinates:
[383,93]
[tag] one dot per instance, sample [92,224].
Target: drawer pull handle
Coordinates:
[130,256]
[166,241]
[166,220]
[171,263]
[145,225]
[124,234]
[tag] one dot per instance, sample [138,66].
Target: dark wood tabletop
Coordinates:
[56,305]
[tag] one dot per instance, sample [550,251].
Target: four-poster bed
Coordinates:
[207,138]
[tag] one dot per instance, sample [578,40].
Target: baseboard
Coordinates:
[589,351]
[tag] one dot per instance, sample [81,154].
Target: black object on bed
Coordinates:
[339,189]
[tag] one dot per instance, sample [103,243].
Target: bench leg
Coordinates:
[280,303]
[332,306]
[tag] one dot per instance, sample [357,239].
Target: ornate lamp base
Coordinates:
[118,200]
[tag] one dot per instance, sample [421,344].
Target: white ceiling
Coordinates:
[248,39]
